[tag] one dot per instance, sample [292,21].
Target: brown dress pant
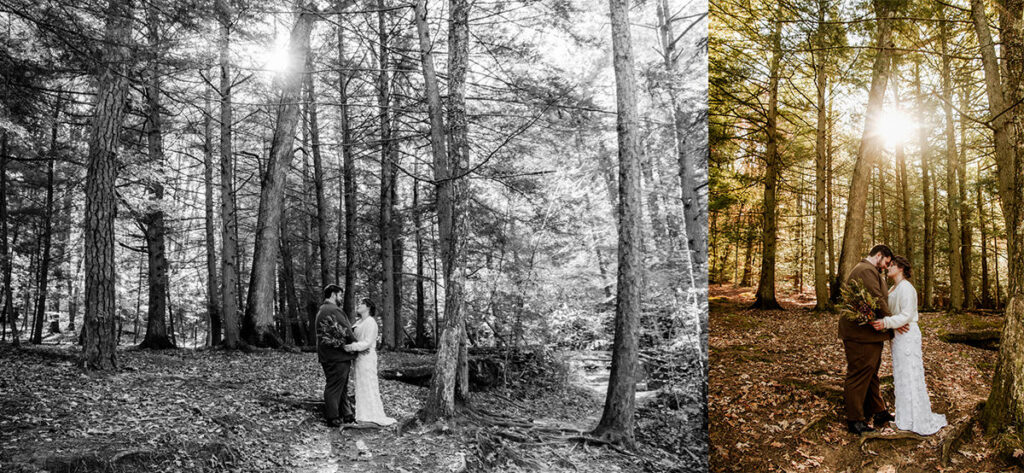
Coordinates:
[861,389]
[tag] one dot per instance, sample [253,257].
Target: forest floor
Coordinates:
[775,392]
[212,410]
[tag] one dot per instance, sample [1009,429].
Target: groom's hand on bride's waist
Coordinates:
[903,329]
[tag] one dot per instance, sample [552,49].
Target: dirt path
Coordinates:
[775,392]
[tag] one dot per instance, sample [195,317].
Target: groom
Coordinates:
[335,360]
[863,345]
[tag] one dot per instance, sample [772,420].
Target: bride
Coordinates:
[913,408]
[369,407]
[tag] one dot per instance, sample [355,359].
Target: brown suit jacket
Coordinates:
[326,353]
[874,282]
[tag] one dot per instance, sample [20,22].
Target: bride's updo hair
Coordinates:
[370,305]
[904,265]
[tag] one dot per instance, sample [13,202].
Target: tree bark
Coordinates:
[212,303]
[695,202]
[421,309]
[47,236]
[5,251]
[1005,405]
[830,208]
[986,295]
[956,290]
[616,424]
[821,292]
[926,185]
[229,218]
[387,182]
[869,152]
[152,222]
[258,323]
[348,177]
[101,319]
[289,296]
[765,296]
[748,261]
[966,230]
[322,219]
[440,402]
[906,241]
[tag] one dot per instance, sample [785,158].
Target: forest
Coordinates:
[835,126]
[179,180]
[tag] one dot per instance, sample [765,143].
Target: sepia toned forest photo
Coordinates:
[866,235]
[355,235]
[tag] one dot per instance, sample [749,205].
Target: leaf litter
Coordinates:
[213,410]
[775,393]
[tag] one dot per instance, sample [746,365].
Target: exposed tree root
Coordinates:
[901,435]
[812,423]
[481,423]
[956,436]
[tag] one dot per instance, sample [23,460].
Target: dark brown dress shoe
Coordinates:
[858,427]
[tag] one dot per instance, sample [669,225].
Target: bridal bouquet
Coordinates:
[858,304]
[331,333]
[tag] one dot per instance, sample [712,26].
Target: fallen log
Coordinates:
[987,339]
[483,373]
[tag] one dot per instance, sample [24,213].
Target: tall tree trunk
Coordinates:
[440,402]
[47,255]
[258,322]
[882,208]
[748,261]
[212,303]
[5,251]
[695,205]
[986,295]
[152,222]
[348,177]
[387,249]
[830,208]
[926,185]
[323,224]
[769,235]
[100,325]
[1005,405]
[421,309]
[820,164]
[869,152]
[229,218]
[290,296]
[965,208]
[616,424]
[659,233]
[906,242]
[956,290]
[47,236]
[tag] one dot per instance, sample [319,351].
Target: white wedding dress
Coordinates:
[913,408]
[369,407]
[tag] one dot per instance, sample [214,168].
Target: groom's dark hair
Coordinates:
[331,290]
[884,250]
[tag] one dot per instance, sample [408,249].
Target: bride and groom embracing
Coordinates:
[897,312]
[345,347]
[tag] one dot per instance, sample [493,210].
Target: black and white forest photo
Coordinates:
[353,235]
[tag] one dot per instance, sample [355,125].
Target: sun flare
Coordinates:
[276,58]
[895,127]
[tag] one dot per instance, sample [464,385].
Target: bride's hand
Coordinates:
[878,325]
